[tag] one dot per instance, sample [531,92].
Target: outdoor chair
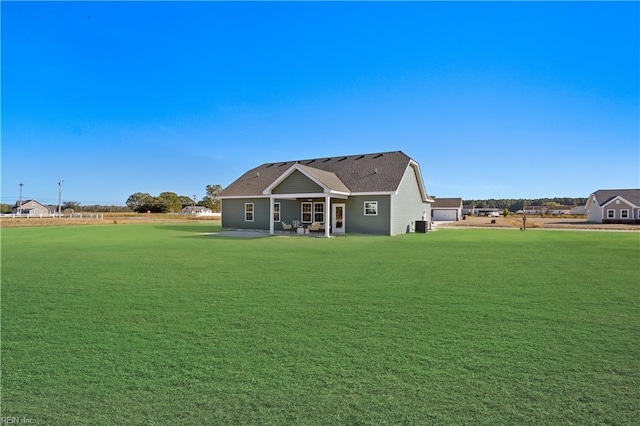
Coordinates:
[314,227]
[287,227]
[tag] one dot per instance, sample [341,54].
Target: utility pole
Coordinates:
[60,182]
[194,202]
[20,202]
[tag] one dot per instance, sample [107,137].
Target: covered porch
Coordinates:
[312,214]
[308,196]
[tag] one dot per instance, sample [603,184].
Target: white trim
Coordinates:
[289,172]
[357,194]
[423,190]
[313,211]
[273,219]
[242,197]
[271,210]
[364,208]
[392,199]
[619,198]
[621,214]
[301,195]
[302,203]
[327,221]
[253,212]
[613,216]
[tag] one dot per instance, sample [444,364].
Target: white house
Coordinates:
[31,208]
[614,206]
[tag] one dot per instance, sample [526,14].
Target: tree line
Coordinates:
[514,205]
[170,202]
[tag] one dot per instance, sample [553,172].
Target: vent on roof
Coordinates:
[309,162]
[342,159]
[328,159]
[378,156]
[283,164]
[362,156]
[269,165]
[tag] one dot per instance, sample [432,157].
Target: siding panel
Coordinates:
[357,222]
[297,183]
[233,214]
[408,205]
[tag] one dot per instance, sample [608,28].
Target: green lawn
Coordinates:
[153,324]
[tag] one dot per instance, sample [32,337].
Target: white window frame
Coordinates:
[276,212]
[303,213]
[318,216]
[249,211]
[611,214]
[624,214]
[371,208]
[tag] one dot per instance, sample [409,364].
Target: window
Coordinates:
[276,212]
[318,212]
[248,212]
[306,212]
[624,214]
[371,208]
[611,214]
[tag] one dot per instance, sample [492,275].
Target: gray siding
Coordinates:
[357,222]
[408,205]
[233,214]
[297,183]
[289,210]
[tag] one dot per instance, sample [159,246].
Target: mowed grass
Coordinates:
[151,324]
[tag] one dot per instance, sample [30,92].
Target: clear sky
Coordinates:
[493,100]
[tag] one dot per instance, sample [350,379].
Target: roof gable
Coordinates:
[604,196]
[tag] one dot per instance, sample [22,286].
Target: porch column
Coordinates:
[271,232]
[327,220]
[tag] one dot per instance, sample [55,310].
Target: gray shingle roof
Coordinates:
[378,172]
[447,203]
[605,195]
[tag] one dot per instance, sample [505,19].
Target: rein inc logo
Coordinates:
[16,421]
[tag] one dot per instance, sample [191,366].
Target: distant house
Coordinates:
[534,209]
[381,193]
[614,206]
[558,210]
[579,210]
[553,210]
[468,209]
[197,211]
[446,209]
[31,208]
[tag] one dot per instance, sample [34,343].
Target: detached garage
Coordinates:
[447,209]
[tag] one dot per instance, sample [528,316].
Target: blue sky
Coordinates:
[493,100]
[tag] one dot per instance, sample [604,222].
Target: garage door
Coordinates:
[444,215]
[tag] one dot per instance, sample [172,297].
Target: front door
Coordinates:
[337,221]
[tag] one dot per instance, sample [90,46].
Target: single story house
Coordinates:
[31,208]
[446,209]
[380,193]
[614,206]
